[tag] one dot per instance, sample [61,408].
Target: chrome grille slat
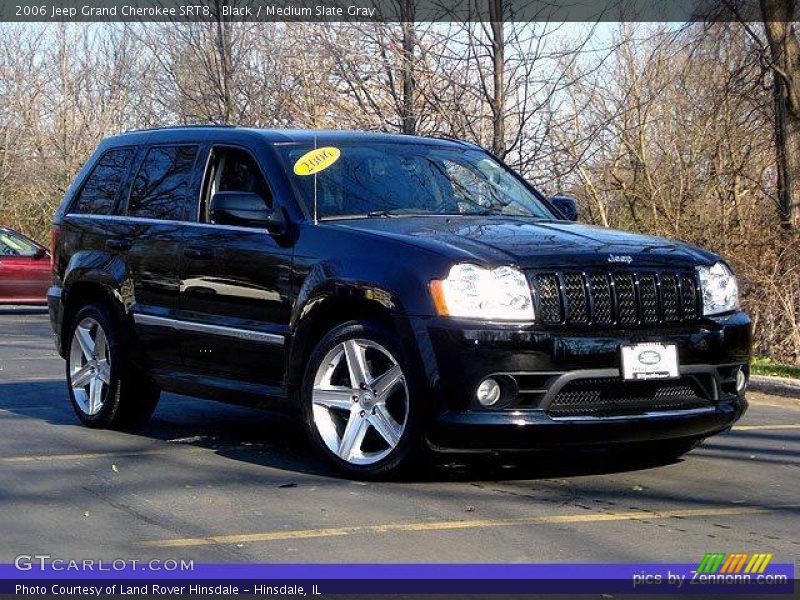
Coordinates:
[621,297]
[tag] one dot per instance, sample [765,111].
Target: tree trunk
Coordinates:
[498,90]
[409,117]
[223,43]
[785,61]
[787,150]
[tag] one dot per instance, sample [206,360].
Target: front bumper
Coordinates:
[523,430]
[457,356]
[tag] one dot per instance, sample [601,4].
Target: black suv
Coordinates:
[400,293]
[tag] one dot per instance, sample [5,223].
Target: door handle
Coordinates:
[199,253]
[118,244]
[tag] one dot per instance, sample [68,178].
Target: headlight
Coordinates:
[473,292]
[719,288]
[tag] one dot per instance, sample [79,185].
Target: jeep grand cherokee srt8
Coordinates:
[398,293]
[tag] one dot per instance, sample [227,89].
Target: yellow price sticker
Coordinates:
[316,160]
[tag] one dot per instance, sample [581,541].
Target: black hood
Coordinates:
[532,243]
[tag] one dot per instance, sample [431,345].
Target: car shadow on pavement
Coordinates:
[279,442]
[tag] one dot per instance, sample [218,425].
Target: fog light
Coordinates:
[741,381]
[488,392]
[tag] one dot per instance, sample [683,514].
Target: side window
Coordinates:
[99,193]
[160,188]
[232,170]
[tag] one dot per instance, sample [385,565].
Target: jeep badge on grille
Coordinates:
[620,258]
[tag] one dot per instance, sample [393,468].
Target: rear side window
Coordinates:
[160,189]
[99,193]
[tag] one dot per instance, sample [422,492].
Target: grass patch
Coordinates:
[764,366]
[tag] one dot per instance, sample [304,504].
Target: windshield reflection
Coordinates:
[391,179]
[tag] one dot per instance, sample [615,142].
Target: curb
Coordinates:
[782,386]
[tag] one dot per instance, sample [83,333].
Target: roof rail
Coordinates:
[448,138]
[192,126]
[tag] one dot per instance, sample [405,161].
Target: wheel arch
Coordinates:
[85,284]
[329,308]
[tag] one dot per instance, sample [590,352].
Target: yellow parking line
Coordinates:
[757,427]
[165,449]
[17,409]
[272,536]
[83,456]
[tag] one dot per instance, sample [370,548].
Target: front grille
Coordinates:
[648,298]
[625,289]
[669,297]
[578,308]
[608,396]
[624,298]
[549,298]
[602,313]
[689,297]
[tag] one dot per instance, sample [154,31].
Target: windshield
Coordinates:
[15,245]
[384,178]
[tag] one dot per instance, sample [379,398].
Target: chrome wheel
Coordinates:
[89,366]
[360,401]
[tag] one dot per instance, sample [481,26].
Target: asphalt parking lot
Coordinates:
[216,483]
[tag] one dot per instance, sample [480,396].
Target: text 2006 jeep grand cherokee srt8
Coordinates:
[400,293]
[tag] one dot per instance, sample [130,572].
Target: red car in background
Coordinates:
[25,269]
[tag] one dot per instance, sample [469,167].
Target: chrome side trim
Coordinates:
[149,221]
[242,334]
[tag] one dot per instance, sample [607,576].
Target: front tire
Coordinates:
[358,401]
[104,388]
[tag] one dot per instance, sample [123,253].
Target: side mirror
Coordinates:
[566,205]
[246,209]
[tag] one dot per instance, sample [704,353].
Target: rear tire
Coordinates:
[105,390]
[359,403]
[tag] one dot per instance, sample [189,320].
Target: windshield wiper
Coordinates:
[486,212]
[398,212]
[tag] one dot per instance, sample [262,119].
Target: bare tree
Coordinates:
[779,48]
[654,128]
[409,44]
[784,61]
